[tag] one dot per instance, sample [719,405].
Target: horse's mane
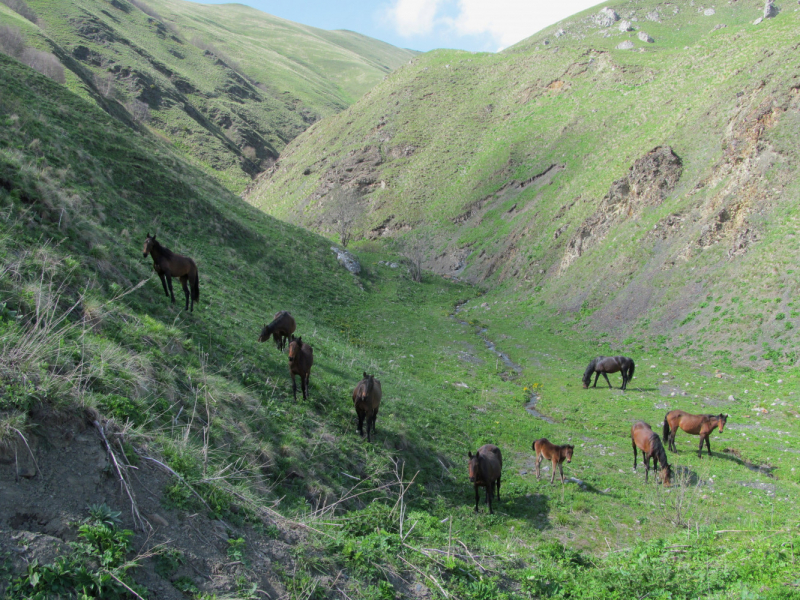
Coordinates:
[166,252]
[369,386]
[658,450]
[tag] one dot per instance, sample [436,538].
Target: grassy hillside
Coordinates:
[229,86]
[270,495]
[531,172]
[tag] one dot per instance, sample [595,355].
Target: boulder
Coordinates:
[757,21]
[626,45]
[770,10]
[560,32]
[645,38]
[347,260]
[606,17]
[709,12]
[625,26]
[653,16]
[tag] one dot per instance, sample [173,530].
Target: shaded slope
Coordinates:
[514,167]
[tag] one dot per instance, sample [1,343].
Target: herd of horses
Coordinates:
[486,465]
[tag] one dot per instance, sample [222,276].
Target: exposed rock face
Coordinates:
[650,179]
[626,45]
[606,17]
[347,260]
[624,26]
[770,10]
[645,38]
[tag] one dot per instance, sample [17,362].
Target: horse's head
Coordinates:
[723,419]
[294,348]
[149,242]
[474,467]
[265,333]
[570,449]
[666,475]
[587,374]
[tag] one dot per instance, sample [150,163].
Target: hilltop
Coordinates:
[646,192]
[228,85]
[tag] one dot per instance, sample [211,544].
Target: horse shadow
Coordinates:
[733,455]
[532,506]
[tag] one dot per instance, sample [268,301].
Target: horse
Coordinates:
[557,454]
[367,401]
[643,437]
[301,357]
[485,468]
[609,364]
[281,328]
[168,264]
[702,425]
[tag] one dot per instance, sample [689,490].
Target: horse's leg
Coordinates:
[477,498]
[164,283]
[361,423]
[538,464]
[498,489]
[489,489]
[561,470]
[369,422]
[700,450]
[607,381]
[294,387]
[646,467]
[635,454]
[374,420]
[306,379]
[708,444]
[596,377]
[169,282]
[624,379]
[185,285]
[553,462]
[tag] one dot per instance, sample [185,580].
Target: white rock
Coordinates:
[348,261]
[625,26]
[770,10]
[653,16]
[560,33]
[731,398]
[757,21]
[709,12]
[606,17]
[626,45]
[645,38]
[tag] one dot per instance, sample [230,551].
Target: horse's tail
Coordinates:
[633,368]
[666,427]
[533,445]
[196,286]
[587,374]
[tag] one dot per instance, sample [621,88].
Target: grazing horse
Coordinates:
[557,454]
[168,265]
[609,364]
[367,401]
[281,328]
[485,468]
[702,425]
[647,440]
[301,357]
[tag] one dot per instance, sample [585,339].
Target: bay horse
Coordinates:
[702,425]
[281,328]
[647,440]
[301,357]
[168,264]
[609,364]
[485,470]
[367,401]
[556,454]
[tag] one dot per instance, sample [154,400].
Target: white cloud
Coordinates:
[510,21]
[413,17]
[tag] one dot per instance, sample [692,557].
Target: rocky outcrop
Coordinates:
[645,38]
[648,182]
[770,10]
[347,260]
[606,17]
[624,26]
[626,45]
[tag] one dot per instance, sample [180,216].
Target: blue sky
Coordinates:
[477,25]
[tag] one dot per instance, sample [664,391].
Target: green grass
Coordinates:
[478,122]
[75,208]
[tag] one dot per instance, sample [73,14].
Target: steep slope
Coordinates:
[651,186]
[119,410]
[228,85]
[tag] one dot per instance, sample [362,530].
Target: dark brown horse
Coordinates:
[609,364]
[168,265]
[556,454]
[281,328]
[301,357]
[485,469]
[367,401]
[647,440]
[702,425]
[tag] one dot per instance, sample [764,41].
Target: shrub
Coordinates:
[21,8]
[139,110]
[46,63]
[12,42]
